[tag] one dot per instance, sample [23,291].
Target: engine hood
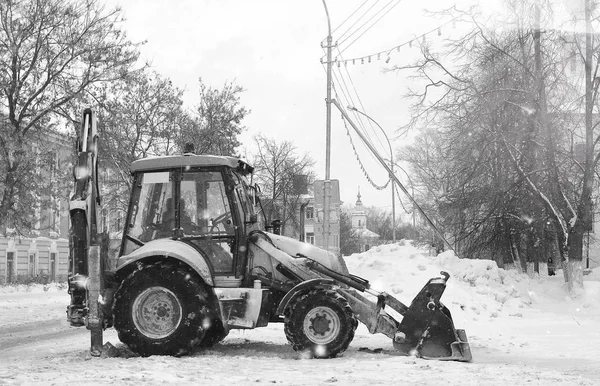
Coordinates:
[297,248]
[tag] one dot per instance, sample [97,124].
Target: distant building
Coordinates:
[311,208]
[44,251]
[366,237]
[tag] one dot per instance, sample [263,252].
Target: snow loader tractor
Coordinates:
[196,261]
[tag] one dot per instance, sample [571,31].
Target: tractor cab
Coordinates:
[201,200]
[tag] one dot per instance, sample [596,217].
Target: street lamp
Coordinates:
[391,168]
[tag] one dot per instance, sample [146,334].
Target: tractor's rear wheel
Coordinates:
[321,323]
[161,310]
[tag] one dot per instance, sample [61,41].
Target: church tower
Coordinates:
[359,216]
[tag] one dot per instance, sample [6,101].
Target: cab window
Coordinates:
[151,210]
[206,218]
[204,205]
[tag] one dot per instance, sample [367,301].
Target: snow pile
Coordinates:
[477,287]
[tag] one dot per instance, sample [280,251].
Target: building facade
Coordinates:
[311,210]
[42,254]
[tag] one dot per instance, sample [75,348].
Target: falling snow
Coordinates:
[522,330]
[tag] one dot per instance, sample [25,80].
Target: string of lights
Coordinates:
[401,203]
[362,167]
[359,117]
[347,98]
[387,53]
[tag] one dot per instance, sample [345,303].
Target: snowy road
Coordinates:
[48,351]
[539,338]
[34,333]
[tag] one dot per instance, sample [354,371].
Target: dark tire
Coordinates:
[160,310]
[321,323]
[214,334]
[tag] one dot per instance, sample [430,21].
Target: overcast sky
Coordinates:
[272,49]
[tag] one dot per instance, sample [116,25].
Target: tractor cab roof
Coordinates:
[189,160]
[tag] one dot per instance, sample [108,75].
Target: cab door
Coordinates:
[208,220]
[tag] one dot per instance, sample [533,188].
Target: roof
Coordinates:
[364,232]
[191,160]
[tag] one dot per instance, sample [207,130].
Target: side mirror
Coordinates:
[276,225]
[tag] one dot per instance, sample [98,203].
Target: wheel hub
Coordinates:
[157,312]
[322,325]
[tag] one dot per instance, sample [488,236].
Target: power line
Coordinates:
[375,132]
[364,129]
[345,91]
[349,99]
[359,19]
[371,26]
[348,18]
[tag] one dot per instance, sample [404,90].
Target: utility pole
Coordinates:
[327,184]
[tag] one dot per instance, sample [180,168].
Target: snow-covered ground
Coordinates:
[522,331]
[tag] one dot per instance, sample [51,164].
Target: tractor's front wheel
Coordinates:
[161,310]
[321,323]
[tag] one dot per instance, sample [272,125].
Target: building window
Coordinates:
[310,212]
[32,267]
[52,266]
[11,266]
[359,223]
[310,238]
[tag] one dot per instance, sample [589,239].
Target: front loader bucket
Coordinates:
[427,329]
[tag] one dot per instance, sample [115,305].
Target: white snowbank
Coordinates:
[476,288]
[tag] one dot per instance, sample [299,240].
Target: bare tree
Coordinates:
[277,167]
[502,113]
[50,53]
